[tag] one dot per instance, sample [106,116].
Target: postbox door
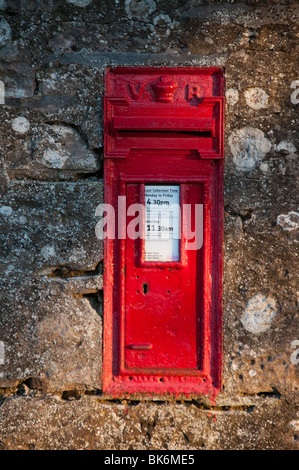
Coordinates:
[164,300]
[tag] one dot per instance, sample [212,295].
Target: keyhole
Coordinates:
[145,288]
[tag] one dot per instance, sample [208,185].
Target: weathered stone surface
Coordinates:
[53,59]
[53,340]
[86,423]
[72,95]
[33,149]
[260,264]
[54,334]
[5,32]
[289,221]
[248,146]
[49,225]
[18,78]
[256,98]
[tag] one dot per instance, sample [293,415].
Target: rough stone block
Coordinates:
[55,424]
[33,149]
[51,329]
[47,225]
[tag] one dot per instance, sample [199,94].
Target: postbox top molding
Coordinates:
[143,106]
[164,84]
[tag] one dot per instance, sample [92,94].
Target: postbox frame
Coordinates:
[117,379]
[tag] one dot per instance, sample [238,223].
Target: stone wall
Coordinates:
[53,55]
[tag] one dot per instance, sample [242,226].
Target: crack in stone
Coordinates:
[64,272]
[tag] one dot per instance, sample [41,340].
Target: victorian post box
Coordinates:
[163,177]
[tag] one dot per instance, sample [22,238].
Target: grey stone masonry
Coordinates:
[53,57]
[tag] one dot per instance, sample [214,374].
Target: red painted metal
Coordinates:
[162,320]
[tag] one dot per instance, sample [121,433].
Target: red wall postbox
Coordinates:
[163,176]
